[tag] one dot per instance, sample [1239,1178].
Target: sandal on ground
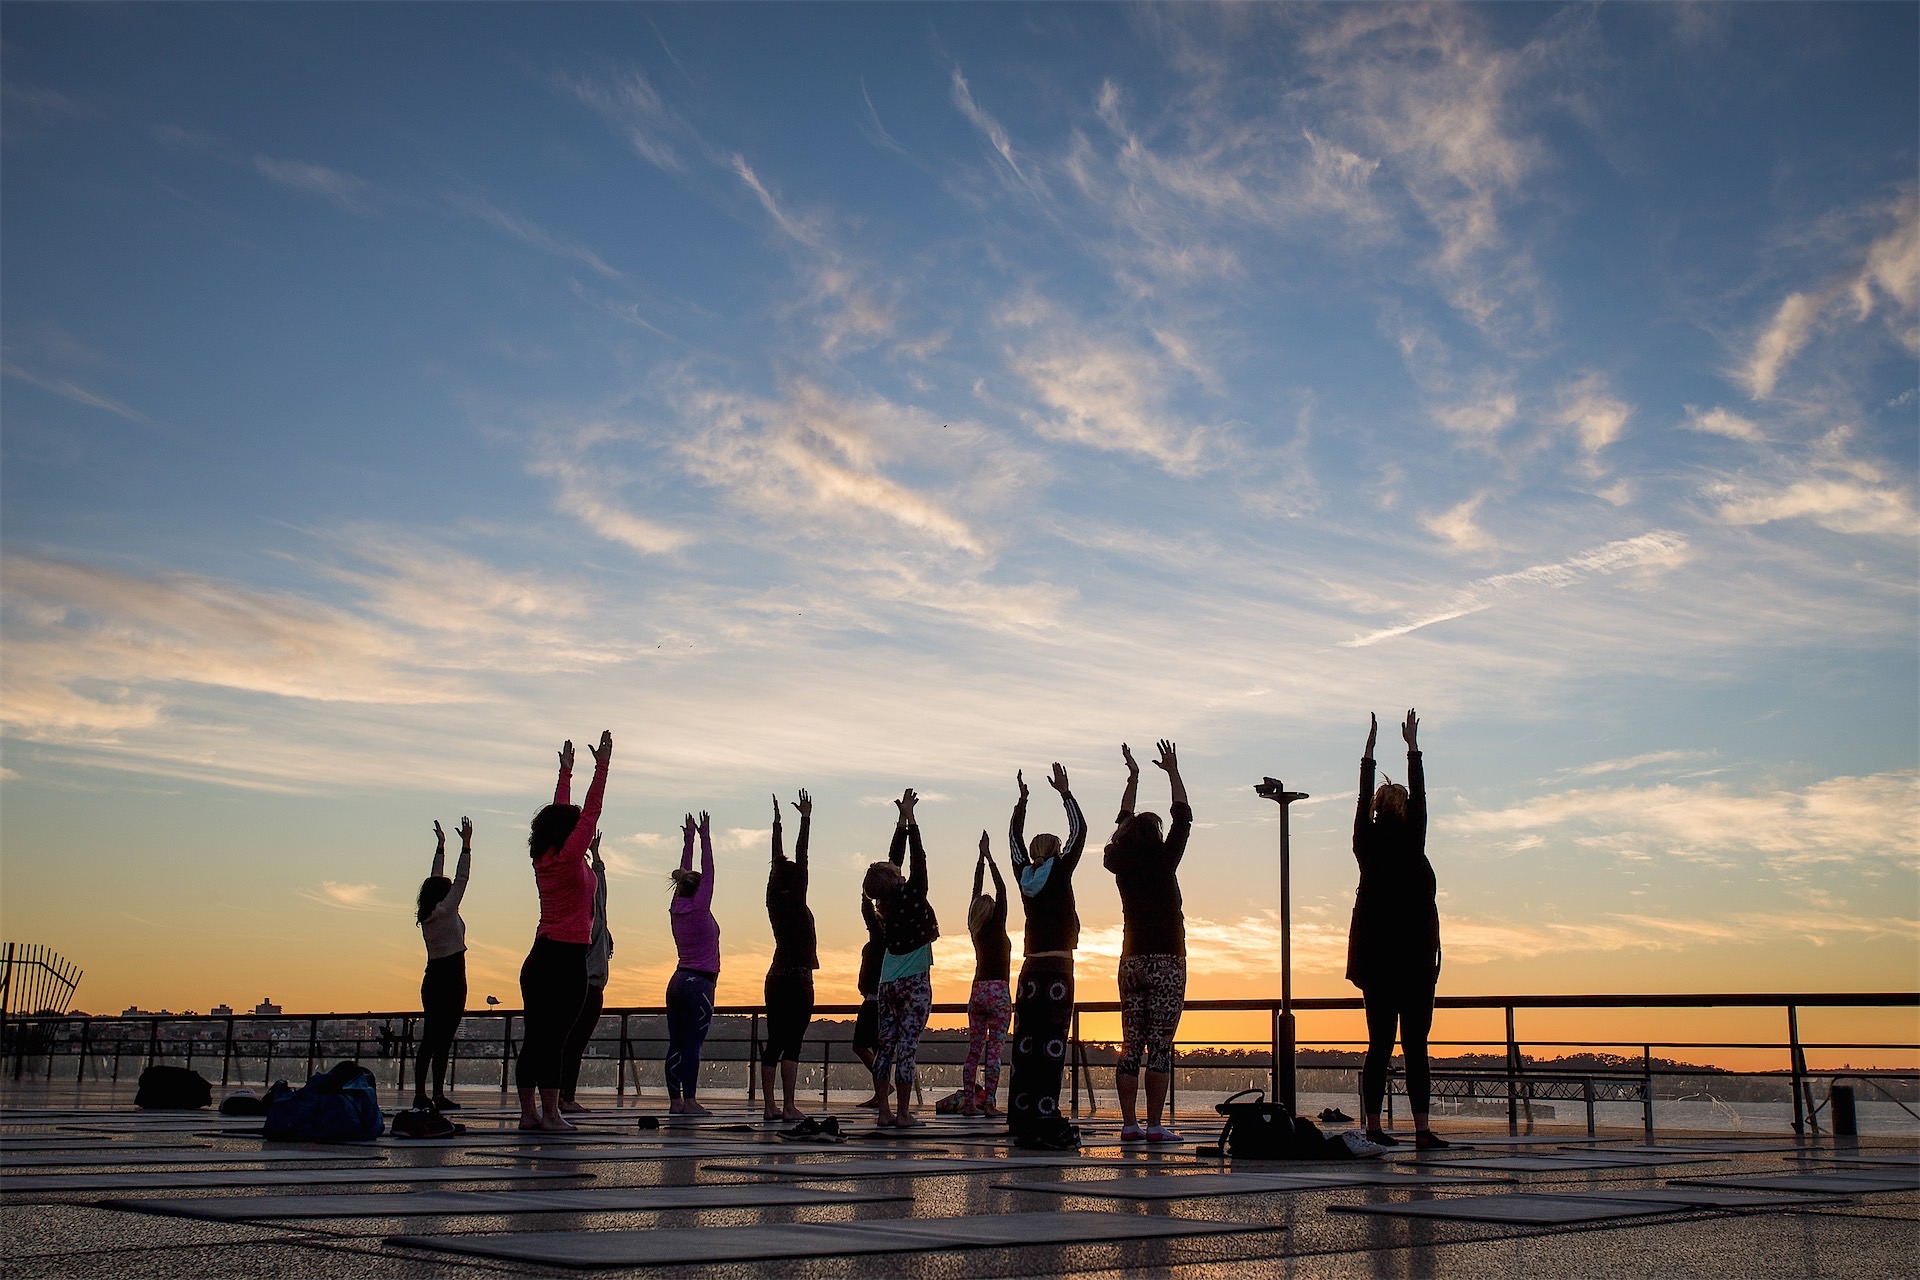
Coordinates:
[1132,1133]
[1160,1133]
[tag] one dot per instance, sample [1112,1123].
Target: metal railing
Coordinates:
[99,1046]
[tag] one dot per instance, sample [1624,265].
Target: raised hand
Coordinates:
[466,832]
[705,822]
[1133,766]
[1168,761]
[687,827]
[805,804]
[1373,734]
[776,810]
[905,804]
[986,847]
[1410,730]
[593,846]
[603,753]
[439,836]
[1058,781]
[1020,777]
[566,755]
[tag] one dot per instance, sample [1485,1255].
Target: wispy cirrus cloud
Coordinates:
[1653,551]
[529,233]
[69,390]
[347,897]
[344,190]
[631,104]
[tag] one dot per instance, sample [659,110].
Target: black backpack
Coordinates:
[172,1089]
[1262,1130]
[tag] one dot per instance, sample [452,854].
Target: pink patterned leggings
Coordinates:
[989,1009]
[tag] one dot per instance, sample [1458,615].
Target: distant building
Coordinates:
[220,1011]
[266,1008]
[134,1011]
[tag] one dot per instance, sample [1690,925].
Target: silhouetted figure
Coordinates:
[989,1004]
[866,1026]
[696,934]
[1153,950]
[443,989]
[553,980]
[789,985]
[1393,950]
[909,927]
[599,961]
[1043,1001]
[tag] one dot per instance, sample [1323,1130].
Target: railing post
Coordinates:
[753,1055]
[1646,1090]
[1273,1074]
[1588,1090]
[620,1067]
[1074,1061]
[826,1068]
[313,1044]
[153,1040]
[86,1037]
[1796,1062]
[506,1047]
[1513,1068]
[226,1055]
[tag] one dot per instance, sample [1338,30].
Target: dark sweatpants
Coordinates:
[1042,1023]
[789,997]
[553,986]
[585,1023]
[443,999]
[1411,1006]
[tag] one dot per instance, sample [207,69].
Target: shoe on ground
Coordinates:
[443,1103]
[421,1103]
[1334,1115]
[1160,1133]
[1428,1140]
[1381,1138]
[1132,1133]
[1357,1143]
[1064,1138]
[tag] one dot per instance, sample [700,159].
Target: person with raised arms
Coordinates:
[989,1006]
[599,960]
[789,986]
[1393,948]
[443,988]
[1043,1002]
[909,927]
[696,934]
[553,980]
[1153,948]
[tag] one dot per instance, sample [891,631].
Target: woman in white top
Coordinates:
[443,991]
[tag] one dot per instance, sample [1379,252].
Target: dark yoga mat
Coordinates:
[684,1245]
[907,1166]
[1193,1185]
[389,1204]
[716,1151]
[264,1155]
[1514,1207]
[186,1179]
[1563,1164]
[1840,1182]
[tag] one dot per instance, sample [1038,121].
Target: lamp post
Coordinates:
[1275,790]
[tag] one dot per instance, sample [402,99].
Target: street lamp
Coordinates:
[1275,790]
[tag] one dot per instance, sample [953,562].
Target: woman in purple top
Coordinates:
[690,991]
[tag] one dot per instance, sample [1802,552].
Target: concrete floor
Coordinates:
[81,1233]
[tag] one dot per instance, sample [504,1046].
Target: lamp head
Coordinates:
[1275,790]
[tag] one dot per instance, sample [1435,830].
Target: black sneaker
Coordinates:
[1428,1140]
[1334,1115]
[443,1103]
[1064,1138]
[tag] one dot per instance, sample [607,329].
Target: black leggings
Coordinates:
[585,1023]
[789,996]
[1042,1023]
[1412,1007]
[553,986]
[443,998]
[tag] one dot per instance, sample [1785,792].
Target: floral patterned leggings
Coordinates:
[905,1005]
[1153,992]
[989,1010]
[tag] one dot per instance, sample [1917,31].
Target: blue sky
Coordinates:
[853,397]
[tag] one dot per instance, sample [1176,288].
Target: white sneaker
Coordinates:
[1357,1143]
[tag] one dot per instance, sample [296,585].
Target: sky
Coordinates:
[859,397]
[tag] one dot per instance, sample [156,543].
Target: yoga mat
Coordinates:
[684,1245]
[578,1155]
[1513,1207]
[1906,1158]
[1562,1164]
[1706,1147]
[1844,1182]
[821,1170]
[78,1143]
[25,1183]
[1694,1197]
[78,1159]
[390,1204]
[1185,1186]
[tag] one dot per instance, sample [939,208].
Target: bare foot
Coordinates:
[769,1117]
[969,1110]
[905,1120]
[870,1103]
[884,1120]
[572,1108]
[529,1122]
[675,1107]
[792,1115]
[693,1108]
[990,1110]
[552,1124]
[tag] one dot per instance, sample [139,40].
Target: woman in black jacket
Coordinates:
[1393,949]
[789,986]
[1043,1000]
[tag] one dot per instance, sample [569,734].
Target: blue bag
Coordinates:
[338,1105]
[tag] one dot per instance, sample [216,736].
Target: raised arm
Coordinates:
[999,885]
[589,822]
[563,789]
[1076,822]
[1129,798]
[805,806]
[980,865]
[1416,777]
[686,844]
[1364,809]
[778,855]
[461,868]
[917,862]
[1180,813]
[439,850]
[599,889]
[703,896]
[1017,826]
